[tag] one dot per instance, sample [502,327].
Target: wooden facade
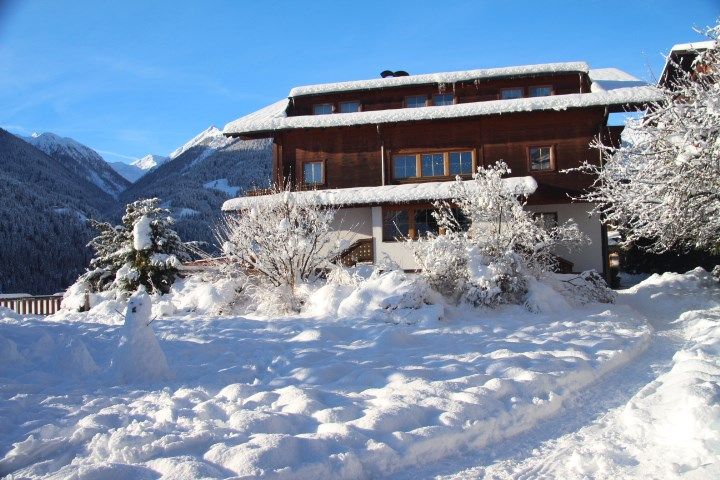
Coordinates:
[363,155]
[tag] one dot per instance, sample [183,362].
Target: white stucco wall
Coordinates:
[353,223]
[398,252]
[589,256]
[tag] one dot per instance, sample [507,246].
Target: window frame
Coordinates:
[393,170]
[323,174]
[553,161]
[358,102]
[521,89]
[405,101]
[411,211]
[332,108]
[529,89]
[454,99]
[419,152]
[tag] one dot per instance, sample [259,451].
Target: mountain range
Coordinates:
[133,171]
[51,186]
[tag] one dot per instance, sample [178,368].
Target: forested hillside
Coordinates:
[201,175]
[43,214]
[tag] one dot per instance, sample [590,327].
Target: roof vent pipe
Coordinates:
[390,73]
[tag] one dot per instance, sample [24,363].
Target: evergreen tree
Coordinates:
[143,250]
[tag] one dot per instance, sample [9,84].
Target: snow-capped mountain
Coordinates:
[200,175]
[204,138]
[149,161]
[81,159]
[133,171]
[129,172]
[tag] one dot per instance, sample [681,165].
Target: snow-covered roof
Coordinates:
[405,193]
[273,118]
[685,47]
[607,79]
[445,77]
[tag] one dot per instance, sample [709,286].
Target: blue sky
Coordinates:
[135,77]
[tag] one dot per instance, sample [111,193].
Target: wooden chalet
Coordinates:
[382,149]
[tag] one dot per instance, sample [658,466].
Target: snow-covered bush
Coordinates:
[488,263]
[585,287]
[143,251]
[285,239]
[663,183]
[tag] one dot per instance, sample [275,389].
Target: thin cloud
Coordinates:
[115,154]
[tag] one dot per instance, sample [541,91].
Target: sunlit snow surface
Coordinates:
[357,397]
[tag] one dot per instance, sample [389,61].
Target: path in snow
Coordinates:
[589,439]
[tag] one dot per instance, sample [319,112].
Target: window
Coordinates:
[461,163]
[396,224]
[322,109]
[508,93]
[409,222]
[433,164]
[313,173]
[415,101]
[543,91]
[548,220]
[425,222]
[541,158]
[404,166]
[443,99]
[349,107]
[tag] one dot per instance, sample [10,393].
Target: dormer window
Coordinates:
[510,93]
[443,99]
[322,109]
[349,107]
[540,91]
[415,101]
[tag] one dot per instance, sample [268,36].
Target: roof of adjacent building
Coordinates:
[405,193]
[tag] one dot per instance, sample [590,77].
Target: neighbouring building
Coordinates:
[385,149]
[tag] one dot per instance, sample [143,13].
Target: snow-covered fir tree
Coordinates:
[490,244]
[143,250]
[663,184]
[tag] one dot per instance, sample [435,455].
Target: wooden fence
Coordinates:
[46,305]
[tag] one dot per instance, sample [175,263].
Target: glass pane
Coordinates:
[349,107]
[509,93]
[322,109]
[395,224]
[415,101]
[460,163]
[540,91]
[425,222]
[443,99]
[433,165]
[312,172]
[404,166]
[540,158]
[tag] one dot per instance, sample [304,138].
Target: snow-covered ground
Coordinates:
[595,391]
